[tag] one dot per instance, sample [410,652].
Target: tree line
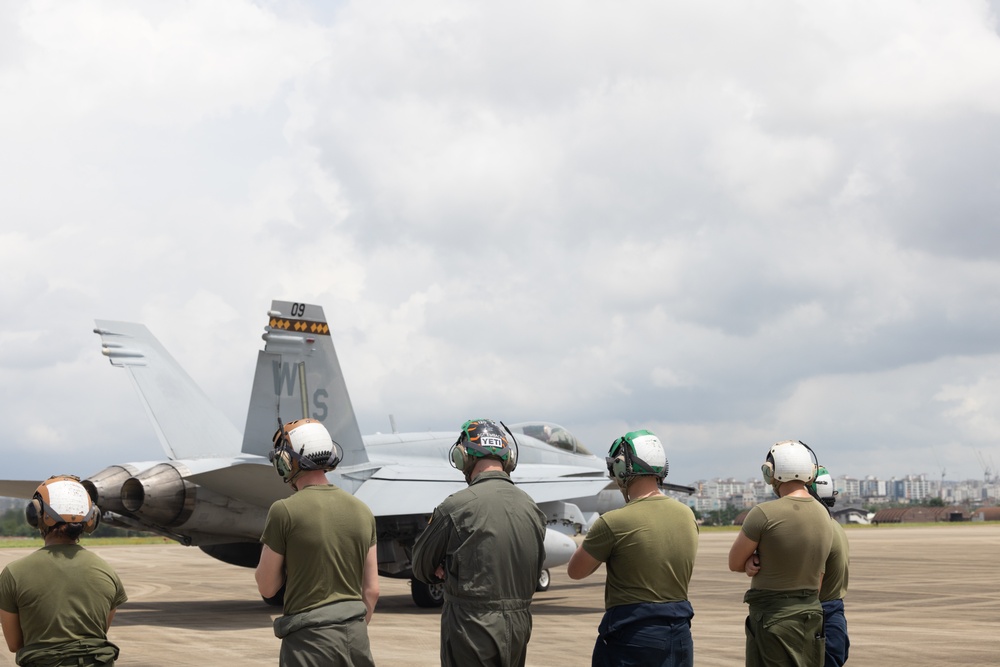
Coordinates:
[14,524]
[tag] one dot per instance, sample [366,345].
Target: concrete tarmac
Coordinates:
[919,596]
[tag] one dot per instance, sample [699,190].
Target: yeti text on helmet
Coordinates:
[484,439]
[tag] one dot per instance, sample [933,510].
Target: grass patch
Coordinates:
[865,526]
[36,542]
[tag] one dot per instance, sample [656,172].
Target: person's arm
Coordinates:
[369,582]
[752,566]
[581,564]
[270,573]
[11,623]
[111,617]
[741,550]
[431,548]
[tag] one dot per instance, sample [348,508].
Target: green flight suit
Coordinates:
[490,540]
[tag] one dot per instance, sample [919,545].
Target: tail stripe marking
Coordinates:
[302,326]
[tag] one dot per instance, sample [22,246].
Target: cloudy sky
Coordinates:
[729,224]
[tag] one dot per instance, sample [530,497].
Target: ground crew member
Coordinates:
[835,579]
[56,605]
[649,547]
[486,542]
[783,545]
[320,544]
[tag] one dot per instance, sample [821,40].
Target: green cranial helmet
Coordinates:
[822,487]
[481,439]
[636,453]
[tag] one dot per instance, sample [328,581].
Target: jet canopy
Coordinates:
[552,434]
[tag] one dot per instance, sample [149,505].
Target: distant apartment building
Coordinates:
[869,491]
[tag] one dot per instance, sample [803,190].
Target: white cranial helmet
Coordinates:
[303,444]
[789,460]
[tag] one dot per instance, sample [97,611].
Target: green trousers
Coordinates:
[334,635]
[784,629]
[485,635]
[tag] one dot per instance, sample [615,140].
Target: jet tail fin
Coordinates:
[298,375]
[187,425]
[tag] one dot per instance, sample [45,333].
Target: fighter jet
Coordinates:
[216,486]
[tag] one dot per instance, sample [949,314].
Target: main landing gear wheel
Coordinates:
[544,579]
[427,595]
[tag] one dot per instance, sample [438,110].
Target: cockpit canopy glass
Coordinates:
[552,434]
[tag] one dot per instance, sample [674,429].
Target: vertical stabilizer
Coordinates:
[186,423]
[298,375]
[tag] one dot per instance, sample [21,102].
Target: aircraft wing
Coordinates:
[403,489]
[253,483]
[387,498]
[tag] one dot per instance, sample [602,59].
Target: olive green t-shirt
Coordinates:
[836,575]
[324,533]
[649,547]
[794,536]
[61,593]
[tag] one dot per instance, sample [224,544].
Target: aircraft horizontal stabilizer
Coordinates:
[545,490]
[17,488]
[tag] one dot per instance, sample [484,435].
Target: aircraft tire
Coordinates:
[544,579]
[426,595]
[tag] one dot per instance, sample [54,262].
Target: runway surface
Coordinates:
[920,596]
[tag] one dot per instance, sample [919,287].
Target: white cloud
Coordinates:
[730,227]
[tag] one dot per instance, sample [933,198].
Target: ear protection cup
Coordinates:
[767,470]
[458,456]
[282,461]
[511,462]
[618,468]
[32,511]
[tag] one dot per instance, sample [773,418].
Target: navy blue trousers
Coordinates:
[645,635]
[838,644]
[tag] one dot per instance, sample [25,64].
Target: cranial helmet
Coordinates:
[789,460]
[822,487]
[484,439]
[303,444]
[62,499]
[636,453]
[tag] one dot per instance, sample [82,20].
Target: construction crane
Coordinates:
[988,468]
